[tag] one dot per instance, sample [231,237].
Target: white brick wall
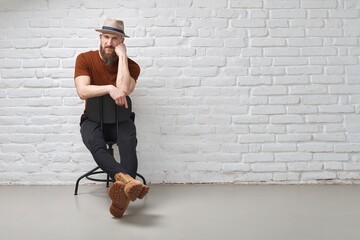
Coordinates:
[230,90]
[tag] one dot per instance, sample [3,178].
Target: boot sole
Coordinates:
[144,191]
[119,200]
[133,190]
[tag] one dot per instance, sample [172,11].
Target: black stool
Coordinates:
[104,110]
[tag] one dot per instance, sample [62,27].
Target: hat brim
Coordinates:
[111,32]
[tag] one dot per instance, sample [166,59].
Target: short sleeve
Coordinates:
[134,69]
[81,67]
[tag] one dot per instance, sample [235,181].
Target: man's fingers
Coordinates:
[126,103]
[122,101]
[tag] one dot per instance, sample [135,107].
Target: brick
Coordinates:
[293,157]
[191,13]
[218,82]
[208,61]
[305,42]
[34,63]
[213,4]
[285,61]
[282,4]
[331,157]
[343,14]
[318,51]
[278,23]
[286,119]
[316,176]
[279,52]
[325,32]
[206,43]
[315,147]
[319,4]
[250,119]
[308,167]
[268,167]
[259,14]
[246,4]
[243,23]
[256,138]
[256,128]
[299,128]
[173,3]
[324,118]
[337,109]
[255,177]
[25,93]
[235,167]
[347,147]
[294,138]
[319,99]
[286,33]
[289,80]
[267,42]
[333,166]
[284,100]
[288,14]
[308,89]
[268,109]
[276,147]
[311,23]
[330,137]
[327,79]
[10,63]
[275,90]
[288,177]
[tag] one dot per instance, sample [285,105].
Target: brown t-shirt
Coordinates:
[90,64]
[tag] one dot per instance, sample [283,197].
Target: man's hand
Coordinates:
[119,97]
[120,49]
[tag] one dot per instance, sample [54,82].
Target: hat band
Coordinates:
[113,29]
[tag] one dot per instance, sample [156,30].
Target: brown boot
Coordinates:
[120,201]
[133,188]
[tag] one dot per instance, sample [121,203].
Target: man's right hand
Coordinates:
[118,96]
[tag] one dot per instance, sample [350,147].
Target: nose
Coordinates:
[108,42]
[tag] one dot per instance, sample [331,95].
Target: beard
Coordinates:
[108,58]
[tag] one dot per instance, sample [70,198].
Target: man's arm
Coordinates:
[85,90]
[123,80]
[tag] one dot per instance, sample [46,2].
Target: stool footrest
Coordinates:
[96,171]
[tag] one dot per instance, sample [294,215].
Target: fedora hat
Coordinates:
[113,26]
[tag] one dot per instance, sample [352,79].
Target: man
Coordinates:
[110,71]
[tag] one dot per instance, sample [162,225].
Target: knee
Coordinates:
[95,144]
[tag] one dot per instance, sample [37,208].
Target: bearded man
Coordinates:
[110,71]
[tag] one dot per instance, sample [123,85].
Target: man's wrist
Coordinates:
[109,88]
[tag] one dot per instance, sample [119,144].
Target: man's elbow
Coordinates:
[81,95]
[126,91]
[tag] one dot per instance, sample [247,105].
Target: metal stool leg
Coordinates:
[142,178]
[82,176]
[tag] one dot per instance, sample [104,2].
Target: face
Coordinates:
[108,42]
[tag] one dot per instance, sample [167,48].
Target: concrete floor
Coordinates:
[192,212]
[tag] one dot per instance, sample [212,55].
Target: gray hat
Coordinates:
[113,26]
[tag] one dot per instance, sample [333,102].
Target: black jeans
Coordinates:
[95,140]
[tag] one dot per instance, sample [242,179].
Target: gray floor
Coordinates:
[189,212]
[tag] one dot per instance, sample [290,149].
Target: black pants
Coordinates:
[95,140]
